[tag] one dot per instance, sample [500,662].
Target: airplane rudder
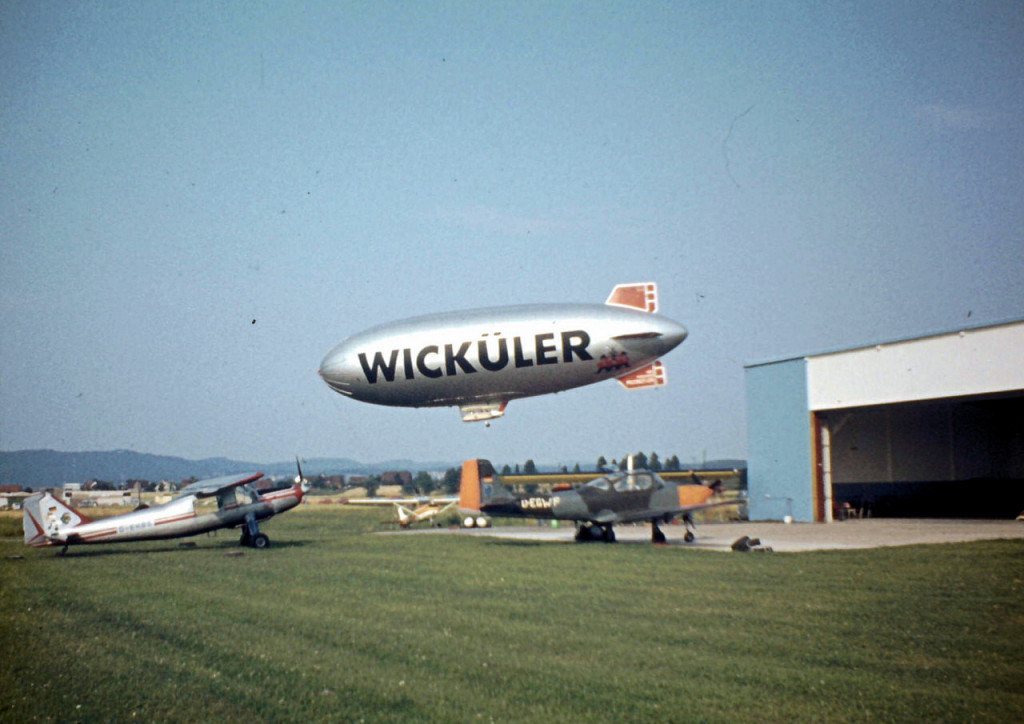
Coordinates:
[469,486]
[33,523]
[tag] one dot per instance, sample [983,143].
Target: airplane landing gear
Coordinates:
[251,535]
[588,532]
[689,537]
[656,535]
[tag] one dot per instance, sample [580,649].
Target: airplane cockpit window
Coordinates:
[628,482]
[238,495]
[600,484]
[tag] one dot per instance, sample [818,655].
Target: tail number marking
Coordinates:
[536,503]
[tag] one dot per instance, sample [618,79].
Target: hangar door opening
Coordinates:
[953,458]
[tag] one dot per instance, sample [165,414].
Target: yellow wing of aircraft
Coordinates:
[409,511]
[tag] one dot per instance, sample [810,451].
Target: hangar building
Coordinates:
[925,427]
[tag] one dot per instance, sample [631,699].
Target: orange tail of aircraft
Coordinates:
[469,487]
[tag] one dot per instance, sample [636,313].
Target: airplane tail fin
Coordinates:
[44,515]
[480,486]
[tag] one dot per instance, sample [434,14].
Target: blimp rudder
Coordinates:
[641,295]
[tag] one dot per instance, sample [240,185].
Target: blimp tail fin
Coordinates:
[641,295]
[653,375]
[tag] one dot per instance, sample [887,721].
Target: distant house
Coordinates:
[10,501]
[397,477]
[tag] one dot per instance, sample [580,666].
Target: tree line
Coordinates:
[425,484]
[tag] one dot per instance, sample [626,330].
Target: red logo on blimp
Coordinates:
[612,362]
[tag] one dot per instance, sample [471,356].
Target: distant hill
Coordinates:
[38,469]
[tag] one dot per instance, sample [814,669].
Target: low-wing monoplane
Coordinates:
[48,521]
[630,496]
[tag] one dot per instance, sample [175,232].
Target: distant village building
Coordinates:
[85,496]
[397,477]
[12,501]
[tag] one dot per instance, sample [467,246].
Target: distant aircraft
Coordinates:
[623,497]
[480,359]
[48,521]
[409,511]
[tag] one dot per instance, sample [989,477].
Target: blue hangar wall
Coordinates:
[779,448]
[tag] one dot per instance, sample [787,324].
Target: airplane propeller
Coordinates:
[299,479]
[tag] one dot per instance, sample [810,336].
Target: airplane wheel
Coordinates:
[260,541]
[244,540]
[609,535]
[689,537]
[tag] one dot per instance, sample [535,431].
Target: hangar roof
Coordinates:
[895,340]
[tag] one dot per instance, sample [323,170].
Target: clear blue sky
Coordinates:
[795,176]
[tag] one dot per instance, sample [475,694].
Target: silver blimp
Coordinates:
[480,359]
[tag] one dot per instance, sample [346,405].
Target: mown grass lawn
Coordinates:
[334,624]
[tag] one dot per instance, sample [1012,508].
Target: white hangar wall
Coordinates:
[899,428]
[968,362]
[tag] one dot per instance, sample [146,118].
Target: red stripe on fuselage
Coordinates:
[176,519]
[99,534]
[279,495]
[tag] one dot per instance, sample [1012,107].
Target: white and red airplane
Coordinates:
[48,521]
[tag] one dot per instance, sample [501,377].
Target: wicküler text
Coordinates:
[489,355]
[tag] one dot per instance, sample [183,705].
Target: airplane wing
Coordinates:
[715,504]
[212,486]
[423,500]
[636,516]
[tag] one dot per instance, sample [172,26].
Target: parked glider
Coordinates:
[48,521]
[478,360]
[630,496]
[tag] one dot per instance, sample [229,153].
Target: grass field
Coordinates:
[331,624]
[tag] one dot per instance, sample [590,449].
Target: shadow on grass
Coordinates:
[512,543]
[228,548]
